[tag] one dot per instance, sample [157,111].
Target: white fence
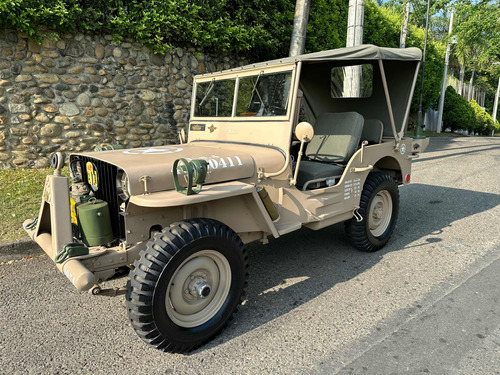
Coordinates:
[477,94]
[431,116]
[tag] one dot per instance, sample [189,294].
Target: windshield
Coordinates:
[258,95]
[215,98]
[264,95]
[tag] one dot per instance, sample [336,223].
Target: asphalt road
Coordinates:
[429,302]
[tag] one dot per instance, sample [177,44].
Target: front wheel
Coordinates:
[187,284]
[379,205]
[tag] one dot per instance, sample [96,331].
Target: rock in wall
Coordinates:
[83,90]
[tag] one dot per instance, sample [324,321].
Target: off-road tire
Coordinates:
[380,192]
[178,249]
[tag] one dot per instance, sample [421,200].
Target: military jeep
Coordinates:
[305,141]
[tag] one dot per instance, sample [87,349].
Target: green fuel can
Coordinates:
[94,222]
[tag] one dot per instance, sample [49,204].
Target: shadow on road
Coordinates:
[313,262]
[456,143]
[447,144]
[443,146]
[483,149]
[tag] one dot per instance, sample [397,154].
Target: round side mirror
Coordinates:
[304,131]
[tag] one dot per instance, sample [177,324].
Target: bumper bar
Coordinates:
[53,230]
[73,269]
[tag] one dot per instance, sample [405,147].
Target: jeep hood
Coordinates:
[226,162]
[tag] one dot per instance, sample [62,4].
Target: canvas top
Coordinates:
[362,52]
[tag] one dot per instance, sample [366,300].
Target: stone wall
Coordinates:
[83,90]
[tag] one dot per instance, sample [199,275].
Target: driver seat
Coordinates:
[336,138]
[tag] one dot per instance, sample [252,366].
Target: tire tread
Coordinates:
[141,286]
[357,231]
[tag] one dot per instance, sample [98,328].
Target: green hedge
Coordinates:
[457,112]
[261,26]
[484,122]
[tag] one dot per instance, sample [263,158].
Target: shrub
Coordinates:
[484,122]
[264,27]
[457,112]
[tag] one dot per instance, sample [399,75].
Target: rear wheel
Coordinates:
[379,207]
[187,284]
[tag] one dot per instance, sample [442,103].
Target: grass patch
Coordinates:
[21,192]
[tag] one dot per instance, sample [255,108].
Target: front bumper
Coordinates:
[53,231]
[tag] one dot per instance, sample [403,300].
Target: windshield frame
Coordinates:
[237,74]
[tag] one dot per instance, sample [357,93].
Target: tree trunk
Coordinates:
[471,88]
[461,82]
[355,20]
[404,26]
[298,40]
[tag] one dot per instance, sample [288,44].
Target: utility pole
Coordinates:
[355,18]
[404,26]
[298,41]
[445,73]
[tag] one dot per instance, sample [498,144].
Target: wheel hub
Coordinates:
[198,288]
[380,213]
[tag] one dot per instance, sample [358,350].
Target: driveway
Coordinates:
[427,303]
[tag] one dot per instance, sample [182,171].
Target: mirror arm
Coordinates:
[302,142]
[303,130]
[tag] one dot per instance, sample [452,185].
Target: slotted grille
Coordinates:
[106,190]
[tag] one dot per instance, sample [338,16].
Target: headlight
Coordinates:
[75,168]
[122,185]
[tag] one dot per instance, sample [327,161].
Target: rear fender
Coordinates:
[391,166]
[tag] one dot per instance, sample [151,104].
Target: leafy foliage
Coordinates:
[476,33]
[327,28]
[434,65]
[221,25]
[484,122]
[324,30]
[382,26]
[477,30]
[457,113]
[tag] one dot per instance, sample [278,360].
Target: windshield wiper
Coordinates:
[255,90]
[209,90]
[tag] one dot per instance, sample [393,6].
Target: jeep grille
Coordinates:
[106,190]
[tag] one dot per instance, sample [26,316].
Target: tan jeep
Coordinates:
[311,140]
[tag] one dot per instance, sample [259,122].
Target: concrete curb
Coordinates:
[12,250]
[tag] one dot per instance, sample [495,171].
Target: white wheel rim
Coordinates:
[380,213]
[185,305]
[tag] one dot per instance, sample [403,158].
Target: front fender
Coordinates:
[236,204]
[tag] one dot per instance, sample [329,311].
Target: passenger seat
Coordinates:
[373,130]
[336,138]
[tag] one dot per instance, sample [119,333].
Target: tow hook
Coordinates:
[96,290]
[357,215]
